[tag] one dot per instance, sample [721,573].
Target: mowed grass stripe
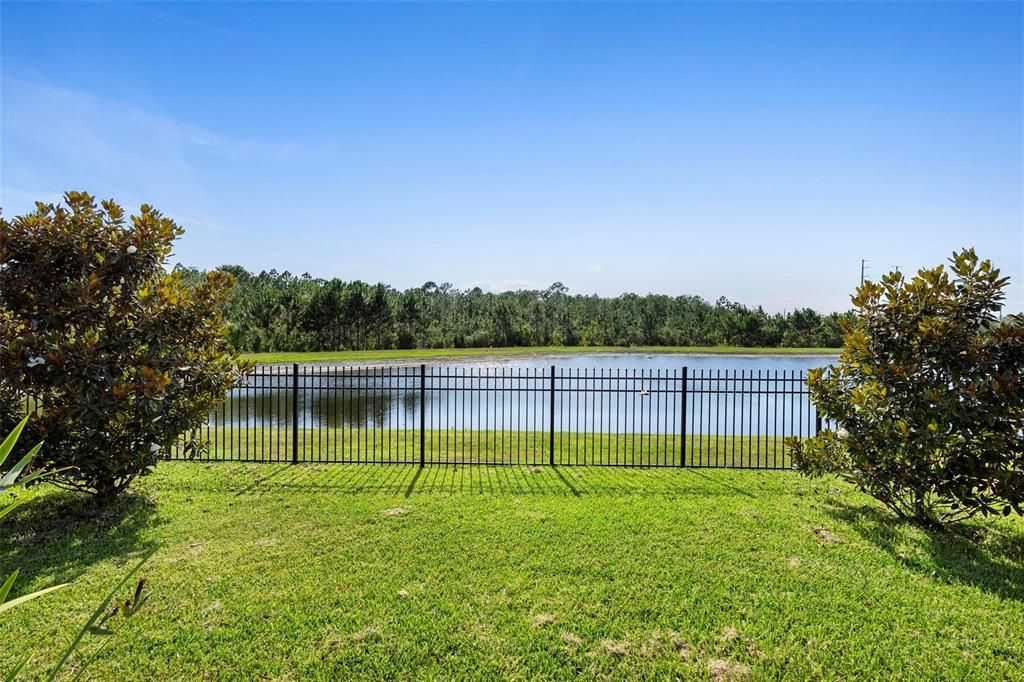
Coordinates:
[505,447]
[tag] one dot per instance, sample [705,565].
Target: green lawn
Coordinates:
[351,356]
[383,446]
[392,572]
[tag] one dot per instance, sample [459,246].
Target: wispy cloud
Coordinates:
[153,11]
[56,139]
[24,199]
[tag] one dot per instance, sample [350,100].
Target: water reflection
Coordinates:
[623,394]
[356,408]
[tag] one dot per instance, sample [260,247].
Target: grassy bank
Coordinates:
[365,572]
[346,357]
[527,448]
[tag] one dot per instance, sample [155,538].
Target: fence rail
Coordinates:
[486,415]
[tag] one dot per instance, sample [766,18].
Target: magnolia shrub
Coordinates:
[114,356]
[928,396]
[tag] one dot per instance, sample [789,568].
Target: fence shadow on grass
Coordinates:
[990,558]
[60,535]
[408,480]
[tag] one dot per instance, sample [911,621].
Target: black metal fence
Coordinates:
[501,415]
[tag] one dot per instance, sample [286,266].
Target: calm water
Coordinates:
[666,362]
[607,393]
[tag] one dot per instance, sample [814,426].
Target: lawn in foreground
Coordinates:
[530,448]
[364,571]
[426,354]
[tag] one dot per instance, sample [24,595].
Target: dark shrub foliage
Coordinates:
[119,356]
[928,396]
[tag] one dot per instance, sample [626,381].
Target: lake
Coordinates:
[598,393]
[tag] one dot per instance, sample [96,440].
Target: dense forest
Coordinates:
[275,311]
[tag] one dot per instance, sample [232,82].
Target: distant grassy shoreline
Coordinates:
[539,351]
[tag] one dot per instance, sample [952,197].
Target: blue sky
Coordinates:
[756,151]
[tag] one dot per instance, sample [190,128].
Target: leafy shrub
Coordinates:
[117,356]
[928,396]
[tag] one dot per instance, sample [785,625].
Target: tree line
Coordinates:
[279,311]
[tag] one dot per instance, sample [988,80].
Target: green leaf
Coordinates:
[97,614]
[5,589]
[13,673]
[8,605]
[11,477]
[4,511]
[12,438]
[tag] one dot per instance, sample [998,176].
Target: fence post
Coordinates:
[817,424]
[551,432]
[295,413]
[682,419]
[423,415]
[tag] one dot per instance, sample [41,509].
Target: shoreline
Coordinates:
[498,355]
